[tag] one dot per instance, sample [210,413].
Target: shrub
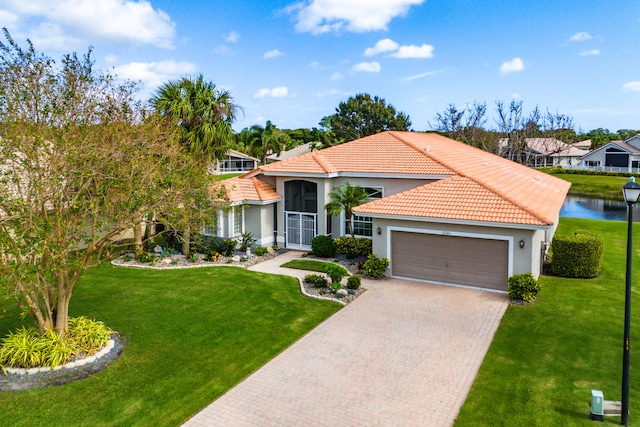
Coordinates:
[577,256]
[335,287]
[26,348]
[523,287]
[210,244]
[144,256]
[247,241]
[214,256]
[353,282]
[316,280]
[375,267]
[361,247]
[323,246]
[260,250]
[335,271]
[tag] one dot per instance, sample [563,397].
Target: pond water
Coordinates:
[586,207]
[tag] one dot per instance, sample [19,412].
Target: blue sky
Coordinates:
[294,62]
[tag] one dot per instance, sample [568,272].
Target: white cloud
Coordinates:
[384,45]
[322,16]
[154,74]
[222,49]
[337,76]
[369,67]
[276,92]
[232,37]
[412,51]
[516,95]
[329,92]
[427,74]
[59,23]
[512,66]
[272,54]
[580,36]
[591,52]
[632,86]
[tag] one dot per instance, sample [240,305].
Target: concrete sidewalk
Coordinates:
[403,354]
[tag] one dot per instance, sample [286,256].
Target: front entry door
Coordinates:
[301,229]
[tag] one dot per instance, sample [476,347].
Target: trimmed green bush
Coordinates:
[353,282]
[316,280]
[345,245]
[578,256]
[323,246]
[260,250]
[523,287]
[335,271]
[375,267]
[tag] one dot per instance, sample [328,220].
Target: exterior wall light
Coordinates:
[379,231]
[521,243]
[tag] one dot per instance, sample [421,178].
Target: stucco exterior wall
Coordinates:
[258,220]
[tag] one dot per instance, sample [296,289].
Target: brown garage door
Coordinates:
[450,259]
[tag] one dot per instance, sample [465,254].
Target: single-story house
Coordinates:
[615,156]
[543,152]
[294,152]
[440,210]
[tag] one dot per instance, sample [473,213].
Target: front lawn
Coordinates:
[546,358]
[191,335]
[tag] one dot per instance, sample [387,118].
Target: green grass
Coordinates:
[310,265]
[546,358]
[191,335]
[224,176]
[602,186]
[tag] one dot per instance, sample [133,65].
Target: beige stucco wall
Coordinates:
[258,220]
[521,260]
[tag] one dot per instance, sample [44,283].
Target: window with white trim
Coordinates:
[208,230]
[363,225]
[592,162]
[237,220]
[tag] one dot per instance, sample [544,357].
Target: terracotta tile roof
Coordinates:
[523,189]
[376,154]
[452,198]
[240,189]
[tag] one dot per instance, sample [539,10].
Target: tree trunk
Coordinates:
[137,236]
[62,313]
[186,240]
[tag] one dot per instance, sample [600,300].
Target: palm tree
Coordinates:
[346,198]
[204,115]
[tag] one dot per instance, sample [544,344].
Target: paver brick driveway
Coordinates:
[404,353]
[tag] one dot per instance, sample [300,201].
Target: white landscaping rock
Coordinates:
[342,292]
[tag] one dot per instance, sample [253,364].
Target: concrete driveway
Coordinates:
[403,354]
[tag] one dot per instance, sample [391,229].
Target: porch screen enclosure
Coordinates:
[301,213]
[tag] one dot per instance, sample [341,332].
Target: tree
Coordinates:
[262,141]
[203,115]
[467,125]
[362,116]
[80,163]
[346,198]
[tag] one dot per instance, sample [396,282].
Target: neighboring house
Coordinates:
[440,210]
[235,162]
[583,145]
[543,152]
[614,156]
[294,152]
